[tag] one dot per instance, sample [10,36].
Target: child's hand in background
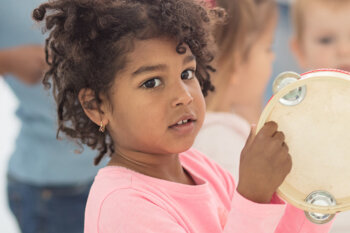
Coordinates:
[265,162]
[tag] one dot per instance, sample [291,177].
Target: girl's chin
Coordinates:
[181,148]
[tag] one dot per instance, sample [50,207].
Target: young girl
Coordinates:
[129,78]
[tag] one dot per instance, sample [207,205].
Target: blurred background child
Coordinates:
[322,34]
[244,65]
[321,39]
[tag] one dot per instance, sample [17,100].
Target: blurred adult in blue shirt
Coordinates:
[48,183]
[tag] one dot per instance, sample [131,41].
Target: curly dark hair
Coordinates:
[88,42]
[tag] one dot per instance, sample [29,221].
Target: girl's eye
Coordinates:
[325,40]
[187,74]
[151,83]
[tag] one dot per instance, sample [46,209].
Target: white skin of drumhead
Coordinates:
[325,41]
[317,133]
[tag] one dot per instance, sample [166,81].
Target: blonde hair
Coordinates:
[247,19]
[299,8]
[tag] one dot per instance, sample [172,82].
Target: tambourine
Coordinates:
[313,111]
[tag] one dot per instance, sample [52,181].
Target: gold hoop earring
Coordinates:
[102,128]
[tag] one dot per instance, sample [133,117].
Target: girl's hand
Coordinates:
[25,62]
[265,162]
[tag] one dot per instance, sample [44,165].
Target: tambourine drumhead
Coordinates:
[317,132]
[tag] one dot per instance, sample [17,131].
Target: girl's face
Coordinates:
[326,38]
[157,106]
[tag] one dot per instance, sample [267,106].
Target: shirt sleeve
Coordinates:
[294,220]
[275,217]
[127,212]
[247,216]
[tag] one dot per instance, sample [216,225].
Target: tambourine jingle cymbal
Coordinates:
[316,124]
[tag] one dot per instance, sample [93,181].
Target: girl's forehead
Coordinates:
[156,52]
[156,49]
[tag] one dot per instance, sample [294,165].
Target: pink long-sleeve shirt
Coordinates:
[122,200]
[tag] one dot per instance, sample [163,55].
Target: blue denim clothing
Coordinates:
[39,158]
[48,209]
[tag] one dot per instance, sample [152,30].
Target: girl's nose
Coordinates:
[182,95]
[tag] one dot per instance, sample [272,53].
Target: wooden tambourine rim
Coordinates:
[331,75]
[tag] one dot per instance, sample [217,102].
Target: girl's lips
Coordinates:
[187,117]
[184,125]
[183,129]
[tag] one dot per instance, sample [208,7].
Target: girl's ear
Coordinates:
[91,108]
[297,50]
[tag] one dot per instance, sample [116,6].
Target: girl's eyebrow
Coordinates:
[145,69]
[188,59]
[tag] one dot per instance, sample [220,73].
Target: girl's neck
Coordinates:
[165,167]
